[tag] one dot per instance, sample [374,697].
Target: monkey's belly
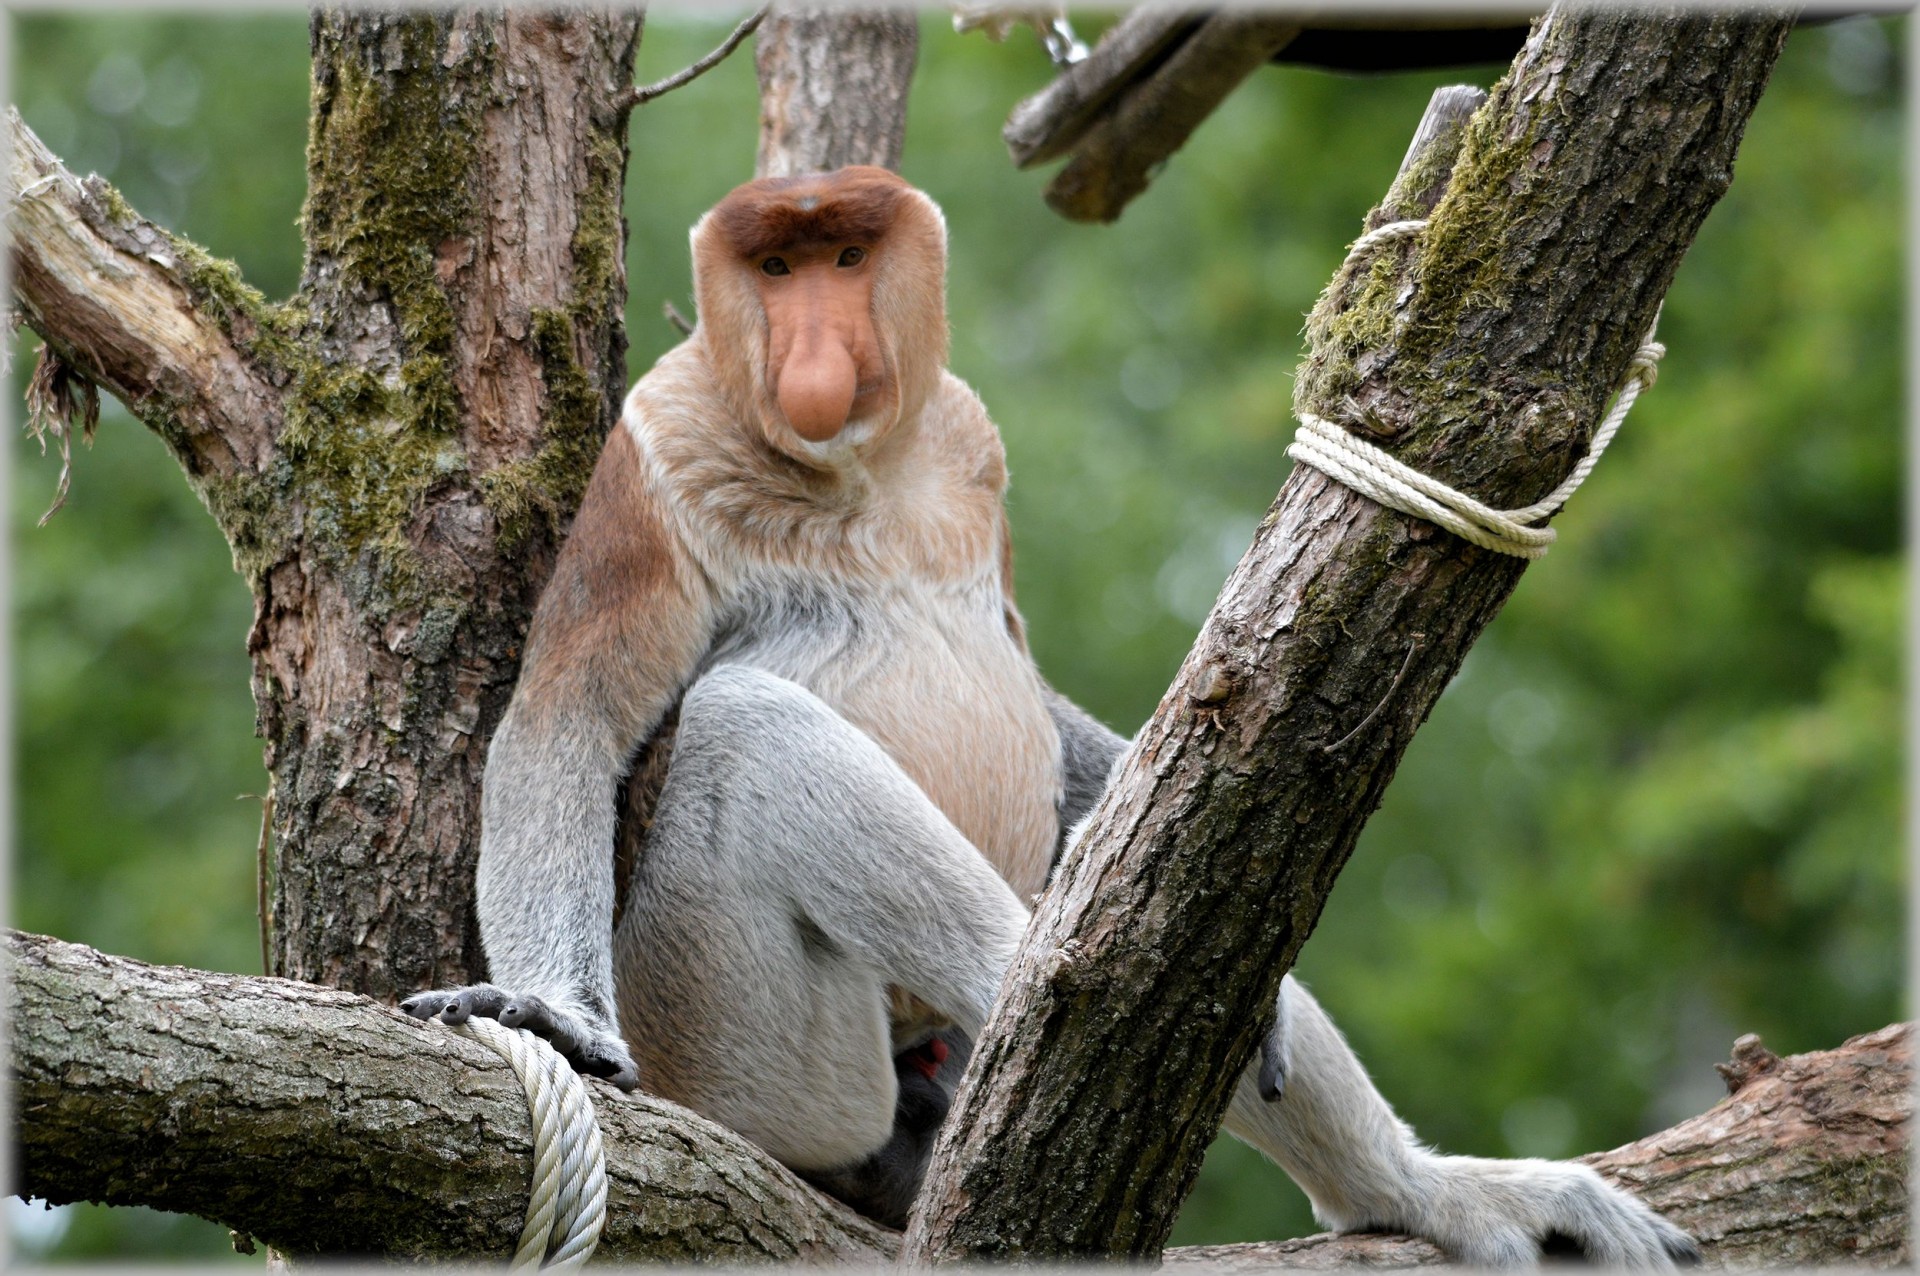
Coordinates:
[950,698]
[988,757]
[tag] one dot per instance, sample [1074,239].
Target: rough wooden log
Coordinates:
[1804,1164]
[245,1100]
[833,87]
[248,1100]
[1151,966]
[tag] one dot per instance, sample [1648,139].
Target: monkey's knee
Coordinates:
[742,709]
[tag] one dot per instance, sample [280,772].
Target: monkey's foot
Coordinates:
[1490,1213]
[593,1049]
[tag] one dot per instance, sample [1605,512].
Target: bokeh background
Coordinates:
[1659,807]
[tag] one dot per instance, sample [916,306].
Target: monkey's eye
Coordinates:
[774,266]
[853,256]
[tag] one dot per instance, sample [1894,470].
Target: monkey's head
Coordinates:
[822,304]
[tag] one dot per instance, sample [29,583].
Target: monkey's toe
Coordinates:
[456,1005]
[531,1013]
[480,999]
[593,1052]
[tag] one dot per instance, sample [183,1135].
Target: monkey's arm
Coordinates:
[615,640]
[1088,750]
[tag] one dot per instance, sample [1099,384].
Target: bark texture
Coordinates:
[247,1100]
[395,452]
[833,87]
[1482,354]
[321,1122]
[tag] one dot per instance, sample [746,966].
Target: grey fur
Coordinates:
[794,872]
[1089,751]
[1364,1170]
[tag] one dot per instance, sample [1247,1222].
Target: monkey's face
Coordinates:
[824,368]
[822,305]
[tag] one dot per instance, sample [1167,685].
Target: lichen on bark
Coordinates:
[541,492]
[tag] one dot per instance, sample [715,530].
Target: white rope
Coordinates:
[568,1206]
[1375,473]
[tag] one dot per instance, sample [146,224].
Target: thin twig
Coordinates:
[263,903]
[640,96]
[677,319]
[1397,679]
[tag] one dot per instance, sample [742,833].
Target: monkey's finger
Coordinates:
[425,1005]
[620,1071]
[481,999]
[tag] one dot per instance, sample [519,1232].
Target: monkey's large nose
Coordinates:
[817,386]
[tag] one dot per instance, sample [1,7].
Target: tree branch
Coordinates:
[641,96]
[833,88]
[171,332]
[245,1100]
[1125,142]
[1149,972]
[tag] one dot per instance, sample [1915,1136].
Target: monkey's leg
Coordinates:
[792,873]
[1364,1170]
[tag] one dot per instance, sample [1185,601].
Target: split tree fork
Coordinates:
[395,545]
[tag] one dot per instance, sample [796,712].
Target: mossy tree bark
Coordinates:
[395,452]
[1482,353]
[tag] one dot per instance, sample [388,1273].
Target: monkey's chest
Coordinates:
[936,680]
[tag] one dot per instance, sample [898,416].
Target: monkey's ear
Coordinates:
[910,298]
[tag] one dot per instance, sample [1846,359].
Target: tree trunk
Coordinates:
[833,88]
[247,1100]
[465,287]
[395,453]
[1483,354]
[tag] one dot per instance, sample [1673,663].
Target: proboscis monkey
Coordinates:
[796,537]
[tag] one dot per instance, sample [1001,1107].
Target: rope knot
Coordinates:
[1646,363]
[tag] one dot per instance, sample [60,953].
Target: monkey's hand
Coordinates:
[593,1049]
[1489,1213]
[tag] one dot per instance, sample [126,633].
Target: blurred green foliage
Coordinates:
[1659,807]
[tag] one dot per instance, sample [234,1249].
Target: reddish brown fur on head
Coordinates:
[822,302]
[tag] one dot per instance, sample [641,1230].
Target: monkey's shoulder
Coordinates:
[956,422]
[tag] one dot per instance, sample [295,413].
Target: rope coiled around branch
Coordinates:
[567,1209]
[1378,474]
